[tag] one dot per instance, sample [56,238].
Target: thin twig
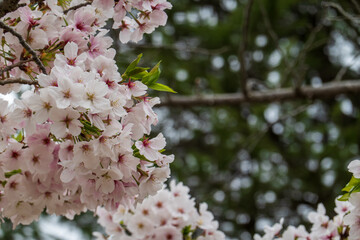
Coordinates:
[347,15]
[255,139]
[25,45]
[77,7]
[356,5]
[18,80]
[328,90]
[273,34]
[307,47]
[243,46]
[18,64]
[344,69]
[301,57]
[348,18]
[202,51]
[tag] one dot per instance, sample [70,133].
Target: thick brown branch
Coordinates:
[77,7]
[18,80]
[25,45]
[7,6]
[328,90]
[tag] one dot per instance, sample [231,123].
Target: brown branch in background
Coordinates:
[328,90]
[255,139]
[271,31]
[202,51]
[77,7]
[345,14]
[301,57]
[308,46]
[273,35]
[243,46]
[7,6]
[351,20]
[18,80]
[18,64]
[356,5]
[25,45]
[340,74]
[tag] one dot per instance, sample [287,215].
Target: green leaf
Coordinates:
[161,87]
[152,76]
[353,182]
[132,66]
[137,73]
[187,232]
[11,173]
[344,197]
[19,137]
[352,187]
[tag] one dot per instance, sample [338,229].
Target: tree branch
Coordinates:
[256,138]
[347,15]
[18,80]
[25,45]
[18,64]
[203,51]
[356,5]
[328,90]
[7,6]
[243,46]
[77,7]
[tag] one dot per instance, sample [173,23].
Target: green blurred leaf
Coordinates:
[132,66]
[161,87]
[138,73]
[352,187]
[11,173]
[19,137]
[152,76]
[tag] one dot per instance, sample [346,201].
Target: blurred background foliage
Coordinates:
[252,163]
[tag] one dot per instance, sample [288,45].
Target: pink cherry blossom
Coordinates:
[68,144]
[150,148]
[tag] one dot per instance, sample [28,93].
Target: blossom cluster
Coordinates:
[345,225]
[170,214]
[79,138]
[323,227]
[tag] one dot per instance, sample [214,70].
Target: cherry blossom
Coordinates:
[69,143]
[170,214]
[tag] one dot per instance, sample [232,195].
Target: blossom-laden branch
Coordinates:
[282,94]
[77,6]
[18,80]
[25,45]
[150,220]
[80,138]
[7,6]
[344,226]
[18,64]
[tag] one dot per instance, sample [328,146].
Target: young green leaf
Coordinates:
[132,66]
[138,73]
[352,187]
[161,87]
[11,173]
[152,76]
[19,137]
